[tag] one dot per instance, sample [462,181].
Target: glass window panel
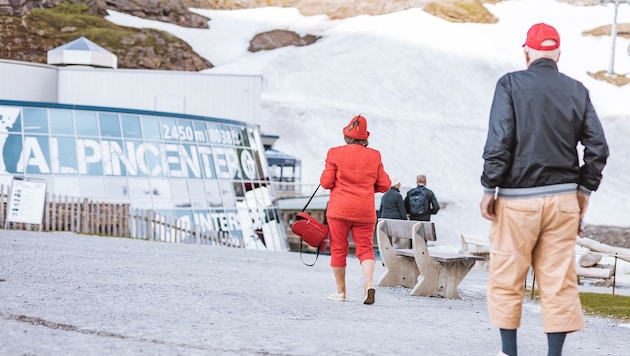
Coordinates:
[201,135]
[190,165]
[65,185]
[86,123]
[185,130]
[109,125]
[61,122]
[276,173]
[36,155]
[184,221]
[179,192]
[116,162]
[197,194]
[249,164]
[160,188]
[214,134]
[136,158]
[151,128]
[92,187]
[226,135]
[89,156]
[213,193]
[64,156]
[227,194]
[261,168]
[11,119]
[117,187]
[35,120]
[131,126]
[142,203]
[11,154]
[254,139]
[149,158]
[239,190]
[235,132]
[163,203]
[168,127]
[244,135]
[139,188]
[206,161]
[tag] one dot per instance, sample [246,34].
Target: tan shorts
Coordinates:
[538,232]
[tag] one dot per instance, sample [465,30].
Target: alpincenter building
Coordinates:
[182,144]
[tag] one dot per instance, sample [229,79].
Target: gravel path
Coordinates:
[67,294]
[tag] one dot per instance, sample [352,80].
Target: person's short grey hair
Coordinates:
[535,54]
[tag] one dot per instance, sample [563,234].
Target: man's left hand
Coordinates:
[487,207]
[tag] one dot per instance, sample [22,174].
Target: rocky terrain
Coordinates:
[610,235]
[29,28]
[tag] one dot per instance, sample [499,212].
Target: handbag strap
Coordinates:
[302,259]
[302,241]
[311,198]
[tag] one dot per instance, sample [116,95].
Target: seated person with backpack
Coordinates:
[420,201]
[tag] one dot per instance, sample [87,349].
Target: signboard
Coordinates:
[26,203]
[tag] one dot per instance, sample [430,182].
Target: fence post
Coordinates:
[84,216]
[149,224]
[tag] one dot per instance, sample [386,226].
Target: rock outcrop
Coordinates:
[279,38]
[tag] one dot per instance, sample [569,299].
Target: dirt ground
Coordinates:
[69,294]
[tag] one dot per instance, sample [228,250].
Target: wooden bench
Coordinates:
[440,273]
[474,245]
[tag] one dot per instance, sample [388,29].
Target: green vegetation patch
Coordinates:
[464,11]
[606,305]
[612,306]
[68,20]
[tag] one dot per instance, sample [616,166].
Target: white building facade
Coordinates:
[182,144]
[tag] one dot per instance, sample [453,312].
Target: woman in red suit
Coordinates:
[353,173]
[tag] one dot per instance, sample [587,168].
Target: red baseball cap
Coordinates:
[540,33]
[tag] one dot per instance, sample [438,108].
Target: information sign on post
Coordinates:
[26,203]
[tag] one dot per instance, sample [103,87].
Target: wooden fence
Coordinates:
[82,215]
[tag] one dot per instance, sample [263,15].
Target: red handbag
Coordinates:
[309,229]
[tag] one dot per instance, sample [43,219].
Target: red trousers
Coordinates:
[362,235]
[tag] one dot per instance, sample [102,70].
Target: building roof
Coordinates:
[82,52]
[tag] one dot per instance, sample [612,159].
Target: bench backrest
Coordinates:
[403,229]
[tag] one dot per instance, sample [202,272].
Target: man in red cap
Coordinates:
[353,173]
[535,190]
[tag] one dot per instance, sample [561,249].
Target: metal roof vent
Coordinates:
[82,52]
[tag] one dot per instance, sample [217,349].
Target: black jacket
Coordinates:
[434,206]
[392,206]
[538,116]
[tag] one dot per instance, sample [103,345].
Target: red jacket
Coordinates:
[353,173]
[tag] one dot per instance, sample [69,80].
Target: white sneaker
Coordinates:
[337,297]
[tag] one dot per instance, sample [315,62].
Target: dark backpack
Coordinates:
[419,201]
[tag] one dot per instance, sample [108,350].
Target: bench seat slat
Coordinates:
[448,257]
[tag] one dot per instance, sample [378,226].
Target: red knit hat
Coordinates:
[357,128]
[538,34]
